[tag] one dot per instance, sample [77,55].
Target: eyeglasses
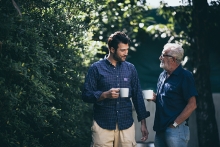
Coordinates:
[162,55]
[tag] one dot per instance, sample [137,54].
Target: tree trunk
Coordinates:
[206,122]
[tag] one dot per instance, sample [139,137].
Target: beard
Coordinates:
[164,65]
[161,65]
[118,58]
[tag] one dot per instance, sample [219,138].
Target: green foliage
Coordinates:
[177,25]
[42,49]
[181,30]
[130,16]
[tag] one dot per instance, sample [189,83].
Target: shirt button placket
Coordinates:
[117,81]
[118,85]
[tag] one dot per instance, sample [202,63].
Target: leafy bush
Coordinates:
[42,49]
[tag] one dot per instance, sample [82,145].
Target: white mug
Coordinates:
[148,94]
[124,92]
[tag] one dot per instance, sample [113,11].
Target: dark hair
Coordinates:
[116,38]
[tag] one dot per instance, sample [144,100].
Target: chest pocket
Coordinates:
[172,90]
[125,80]
[126,76]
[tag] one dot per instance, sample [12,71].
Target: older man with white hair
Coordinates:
[175,99]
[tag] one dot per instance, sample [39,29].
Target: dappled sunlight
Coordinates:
[150,28]
[163,35]
[174,13]
[136,44]
[159,30]
[194,70]
[141,25]
[132,48]
[185,60]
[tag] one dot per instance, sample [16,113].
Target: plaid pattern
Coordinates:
[102,76]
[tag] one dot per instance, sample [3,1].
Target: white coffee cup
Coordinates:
[124,92]
[148,94]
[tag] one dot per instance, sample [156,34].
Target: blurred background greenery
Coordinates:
[46,47]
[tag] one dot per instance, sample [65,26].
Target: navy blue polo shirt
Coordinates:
[173,94]
[101,77]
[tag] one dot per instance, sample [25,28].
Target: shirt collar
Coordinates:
[109,62]
[106,60]
[177,70]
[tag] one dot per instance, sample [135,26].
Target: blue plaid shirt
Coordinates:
[102,76]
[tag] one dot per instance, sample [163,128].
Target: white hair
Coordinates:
[175,50]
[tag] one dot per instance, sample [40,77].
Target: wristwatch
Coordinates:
[175,124]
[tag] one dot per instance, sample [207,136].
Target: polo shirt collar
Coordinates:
[177,70]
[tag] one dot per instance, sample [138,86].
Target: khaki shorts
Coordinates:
[112,138]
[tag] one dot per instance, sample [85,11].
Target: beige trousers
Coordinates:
[112,138]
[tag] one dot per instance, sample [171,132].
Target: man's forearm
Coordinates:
[190,107]
[143,122]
